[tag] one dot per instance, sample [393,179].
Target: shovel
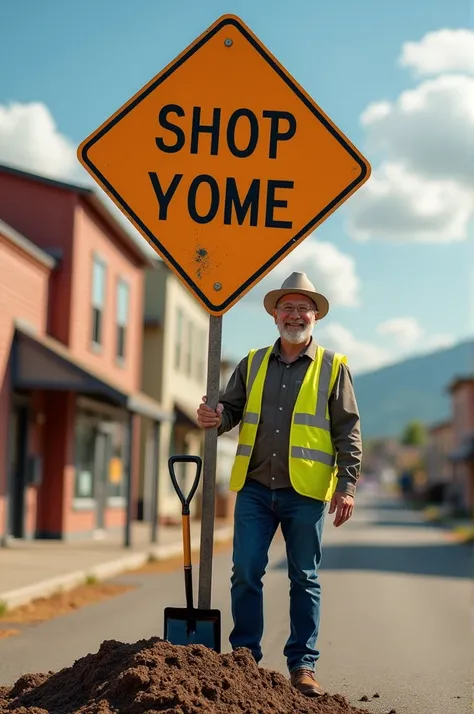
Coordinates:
[189,625]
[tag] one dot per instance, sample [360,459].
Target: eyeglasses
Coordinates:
[301,309]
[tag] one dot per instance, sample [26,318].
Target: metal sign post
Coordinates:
[224,164]
[209,467]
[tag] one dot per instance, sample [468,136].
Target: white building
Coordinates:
[175,370]
[175,346]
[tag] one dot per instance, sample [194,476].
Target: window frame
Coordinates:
[178,341]
[97,345]
[190,335]
[121,282]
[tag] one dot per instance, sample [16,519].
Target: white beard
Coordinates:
[295,335]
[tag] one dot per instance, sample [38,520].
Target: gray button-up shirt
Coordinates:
[269,461]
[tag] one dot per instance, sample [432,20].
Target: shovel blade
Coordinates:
[193,627]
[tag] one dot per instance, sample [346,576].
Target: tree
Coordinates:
[414,434]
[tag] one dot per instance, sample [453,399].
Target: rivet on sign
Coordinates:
[217,286]
[228,42]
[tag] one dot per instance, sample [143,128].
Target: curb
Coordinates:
[103,571]
[460,531]
[462,535]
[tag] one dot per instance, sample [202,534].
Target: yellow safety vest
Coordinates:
[312,458]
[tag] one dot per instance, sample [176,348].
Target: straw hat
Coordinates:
[297,283]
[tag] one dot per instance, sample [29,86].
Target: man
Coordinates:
[299,448]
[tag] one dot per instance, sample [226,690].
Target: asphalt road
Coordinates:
[396,617]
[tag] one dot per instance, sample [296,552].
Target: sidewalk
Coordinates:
[458,528]
[32,569]
[461,529]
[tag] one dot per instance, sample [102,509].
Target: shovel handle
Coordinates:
[185,459]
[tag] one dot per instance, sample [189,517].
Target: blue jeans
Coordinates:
[258,512]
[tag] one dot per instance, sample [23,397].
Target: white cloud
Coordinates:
[401,206]
[422,190]
[441,51]
[332,272]
[437,342]
[409,337]
[405,331]
[374,112]
[30,140]
[362,356]
[428,129]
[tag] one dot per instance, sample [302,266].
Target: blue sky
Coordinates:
[397,264]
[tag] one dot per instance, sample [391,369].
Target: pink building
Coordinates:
[462,455]
[438,465]
[71,330]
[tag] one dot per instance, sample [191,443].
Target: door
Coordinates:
[103,453]
[18,464]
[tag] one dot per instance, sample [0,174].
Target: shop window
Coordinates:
[100,460]
[85,437]
[179,339]
[189,350]
[117,472]
[201,347]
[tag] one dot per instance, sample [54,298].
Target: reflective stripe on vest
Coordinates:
[255,362]
[312,456]
[319,418]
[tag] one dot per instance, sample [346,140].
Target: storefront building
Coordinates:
[462,454]
[71,335]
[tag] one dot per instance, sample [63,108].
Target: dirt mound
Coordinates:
[154,676]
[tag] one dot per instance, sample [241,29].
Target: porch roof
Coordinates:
[465,451]
[41,362]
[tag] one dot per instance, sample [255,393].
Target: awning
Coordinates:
[41,362]
[465,451]
[186,415]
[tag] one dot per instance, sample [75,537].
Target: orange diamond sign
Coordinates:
[223,163]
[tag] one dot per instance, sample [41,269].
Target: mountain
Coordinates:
[414,388]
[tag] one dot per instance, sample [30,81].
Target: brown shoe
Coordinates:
[303,680]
